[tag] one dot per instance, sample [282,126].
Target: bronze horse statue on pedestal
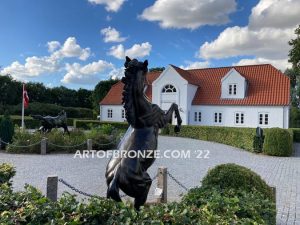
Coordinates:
[49,122]
[145,119]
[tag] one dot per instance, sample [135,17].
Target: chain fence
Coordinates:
[85,193]
[67,146]
[123,195]
[20,146]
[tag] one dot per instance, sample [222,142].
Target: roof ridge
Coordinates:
[221,67]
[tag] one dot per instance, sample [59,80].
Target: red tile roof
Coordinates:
[114,96]
[266,86]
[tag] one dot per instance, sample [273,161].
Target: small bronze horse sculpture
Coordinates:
[49,122]
[127,173]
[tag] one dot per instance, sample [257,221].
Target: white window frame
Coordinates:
[264,116]
[123,113]
[232,89]
[197,117]
[239,122]
[219,116]
[109,113]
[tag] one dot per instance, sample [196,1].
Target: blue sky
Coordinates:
[78,43]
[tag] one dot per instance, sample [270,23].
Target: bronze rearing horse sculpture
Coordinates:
[127,173]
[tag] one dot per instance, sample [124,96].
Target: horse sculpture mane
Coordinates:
[126,173]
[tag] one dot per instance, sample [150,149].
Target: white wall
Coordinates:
[170,76]
[117,113]
[233,77]
[278,115]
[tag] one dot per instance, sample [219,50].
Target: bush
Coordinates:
[237,137]
[7,171]
[236,177]
[89,124]
[6,130]
[278,142]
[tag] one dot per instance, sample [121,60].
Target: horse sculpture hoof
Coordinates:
[176,129]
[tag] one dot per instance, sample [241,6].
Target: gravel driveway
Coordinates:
[88,174]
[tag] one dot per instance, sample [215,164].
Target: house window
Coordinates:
[169,89]
[232,89]
[197,117]
[123,113]
[218,117]
[239,118]
[109,113]
[263,118]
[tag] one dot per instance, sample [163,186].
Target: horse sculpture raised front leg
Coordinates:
[130,173]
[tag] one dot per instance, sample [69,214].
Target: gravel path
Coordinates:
[88,174]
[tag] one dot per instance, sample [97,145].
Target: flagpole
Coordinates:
[23,107]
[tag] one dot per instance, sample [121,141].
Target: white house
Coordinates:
[238,96]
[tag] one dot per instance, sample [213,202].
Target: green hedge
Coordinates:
[237,137]
[203,206]
[49,109]
[278,142]
[244,138]
[88,124]
[31,123]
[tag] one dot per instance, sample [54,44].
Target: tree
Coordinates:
[156,69]
[294,54]
[101,89]
[6,129]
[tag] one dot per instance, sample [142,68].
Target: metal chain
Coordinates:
[86,194]
[76,190]
[21,146]
[177,181]
[66,146]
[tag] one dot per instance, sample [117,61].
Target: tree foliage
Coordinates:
[155,69]
[101,89]
[294,54]
[11,94]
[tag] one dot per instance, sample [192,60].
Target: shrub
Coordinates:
[237,137]
[7,171]
[6,130]
[278,142]
[236,177]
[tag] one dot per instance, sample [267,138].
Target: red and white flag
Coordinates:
[25,97]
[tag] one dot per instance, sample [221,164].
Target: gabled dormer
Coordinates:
[233,85]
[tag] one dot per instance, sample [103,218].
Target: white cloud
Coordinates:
[279,63]
[276,14]
[53,45]
[189,13]
[235,41]
[195,65]
[87,74]
[264,40]
[137,50]
[116,73]
[35,66]
[111,35]
[71,49]
[110,5]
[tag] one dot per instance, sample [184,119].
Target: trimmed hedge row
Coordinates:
[278,142]
[237,137]
[89,124]
[296,134]
[31,123]
[49,109]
